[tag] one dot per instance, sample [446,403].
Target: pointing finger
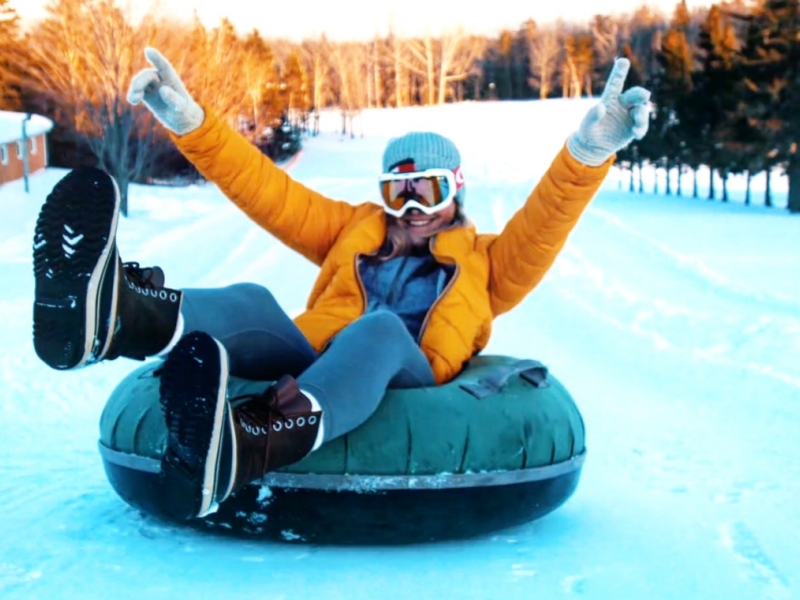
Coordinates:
[616,80]
[159,62]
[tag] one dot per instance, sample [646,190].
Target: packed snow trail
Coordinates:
[675,323]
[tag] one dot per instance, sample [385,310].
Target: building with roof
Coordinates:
[13,141]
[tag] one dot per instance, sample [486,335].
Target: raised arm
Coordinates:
[301,218]
[530,242]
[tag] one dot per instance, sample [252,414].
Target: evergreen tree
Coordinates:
[671,87]
[505,89]
[521,64]
[714,96]
[771,67]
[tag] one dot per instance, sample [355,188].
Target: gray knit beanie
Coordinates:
[426,150]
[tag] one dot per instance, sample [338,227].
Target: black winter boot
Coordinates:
[216,447]
[146,313]
[88,305]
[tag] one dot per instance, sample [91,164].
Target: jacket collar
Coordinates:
[454,243]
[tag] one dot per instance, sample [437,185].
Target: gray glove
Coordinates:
[614,123]
[164,94]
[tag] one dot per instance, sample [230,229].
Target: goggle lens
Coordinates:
[428,190]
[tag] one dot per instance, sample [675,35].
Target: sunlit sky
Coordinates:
[361,19]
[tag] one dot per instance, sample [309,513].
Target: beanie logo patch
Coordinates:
[460,181]
[404,166]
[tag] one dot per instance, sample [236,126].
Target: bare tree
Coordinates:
[377,70]
[435,63]
[606,39]
[401,91]
[317,56]
[585,62]
[570,82]
[121,136]
[9,55]
[83,56]
[458,54]
[576,66]
[370,70]
[56,68]
[318,65]
[422,61]
[376,66]
[349,63]
[543,50]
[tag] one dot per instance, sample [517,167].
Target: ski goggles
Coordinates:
[429,191]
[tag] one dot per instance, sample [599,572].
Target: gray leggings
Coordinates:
[348,379]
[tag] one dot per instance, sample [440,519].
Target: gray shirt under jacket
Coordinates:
[405,285]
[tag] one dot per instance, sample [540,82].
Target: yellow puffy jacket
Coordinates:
[493,273]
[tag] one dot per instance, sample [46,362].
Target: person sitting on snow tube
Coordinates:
[406,293]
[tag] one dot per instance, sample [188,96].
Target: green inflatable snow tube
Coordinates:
[501,444]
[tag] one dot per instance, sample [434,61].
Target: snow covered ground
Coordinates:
[674,322]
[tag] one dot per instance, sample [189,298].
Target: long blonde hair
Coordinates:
[398,241]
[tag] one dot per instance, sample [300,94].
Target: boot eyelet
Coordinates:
[277,425]
[312,420]
[162,294]
[263,431]
[173,297]
[301,421]
[289,423]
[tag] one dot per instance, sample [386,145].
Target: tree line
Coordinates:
[723,80]
[726,84]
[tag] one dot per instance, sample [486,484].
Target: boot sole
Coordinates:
[193,397]
[73,245]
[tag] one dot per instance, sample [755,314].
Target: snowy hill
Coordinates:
[674,322]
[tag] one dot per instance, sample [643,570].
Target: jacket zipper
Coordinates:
[360,282]
[446,289]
